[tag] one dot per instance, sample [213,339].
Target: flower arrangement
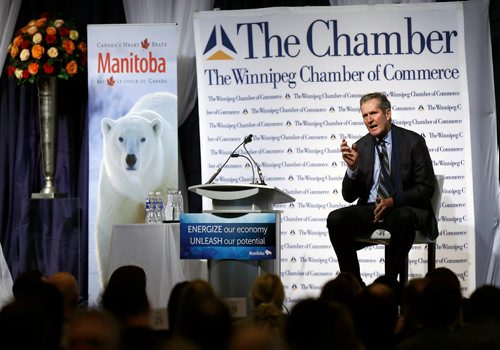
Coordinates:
[46,47]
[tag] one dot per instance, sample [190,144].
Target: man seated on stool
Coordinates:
[393,192]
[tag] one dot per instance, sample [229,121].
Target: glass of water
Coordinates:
[169,205]
[177,205]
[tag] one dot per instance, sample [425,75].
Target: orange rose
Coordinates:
[25,28]
[50,30]
[40,22]
[17,40]
[72,68]
[14,51]
[82,47]
[68,46]
[33,68]
[37,51]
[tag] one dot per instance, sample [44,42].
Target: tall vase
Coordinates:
[48,131]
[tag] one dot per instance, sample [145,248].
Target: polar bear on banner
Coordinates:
[139,156]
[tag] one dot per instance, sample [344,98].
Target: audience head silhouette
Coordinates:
[68,286]
[92,329]
[410,319]
[341,289]
[34,319]
[173,303]
[125,295]
[484,303]
[375,316]
[26,283]
[203,319]
[312,324]
[441,299]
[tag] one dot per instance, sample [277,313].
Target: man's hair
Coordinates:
[383,102]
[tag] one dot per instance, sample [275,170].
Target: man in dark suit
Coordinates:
[398,160]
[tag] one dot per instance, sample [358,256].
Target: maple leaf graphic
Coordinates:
[111,81]
[145,43]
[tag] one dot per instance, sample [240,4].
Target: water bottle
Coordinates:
[160,208]
[154,207]
[149,208]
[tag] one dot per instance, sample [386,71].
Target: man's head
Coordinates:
[376,112]
[92,329]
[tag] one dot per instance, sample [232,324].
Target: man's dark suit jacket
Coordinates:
[412,175]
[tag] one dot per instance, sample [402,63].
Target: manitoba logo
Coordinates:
[219,44]
[145,44]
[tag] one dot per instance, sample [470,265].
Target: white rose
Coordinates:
[25,54]
[58,23]
[52,52]
[18,73]
[32,30]
[73,35]
[37,38]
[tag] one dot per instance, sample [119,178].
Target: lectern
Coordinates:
[232,279]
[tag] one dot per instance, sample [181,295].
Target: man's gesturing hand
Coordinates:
[349,155]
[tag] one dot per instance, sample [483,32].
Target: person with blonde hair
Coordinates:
[268,297]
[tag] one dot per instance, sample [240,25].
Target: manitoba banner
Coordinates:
[132,129]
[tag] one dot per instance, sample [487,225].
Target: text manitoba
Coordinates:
[131,64]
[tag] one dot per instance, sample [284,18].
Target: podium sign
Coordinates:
[240,236]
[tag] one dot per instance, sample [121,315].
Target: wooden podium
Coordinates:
[232,279]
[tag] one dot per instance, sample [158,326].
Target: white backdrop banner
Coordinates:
[132,78]
[292,77]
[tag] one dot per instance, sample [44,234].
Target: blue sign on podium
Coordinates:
[239,236]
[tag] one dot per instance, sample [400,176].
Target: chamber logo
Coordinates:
[219,47]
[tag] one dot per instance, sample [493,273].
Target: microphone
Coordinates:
[247,139]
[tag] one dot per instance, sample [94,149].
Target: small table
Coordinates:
[156,249]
